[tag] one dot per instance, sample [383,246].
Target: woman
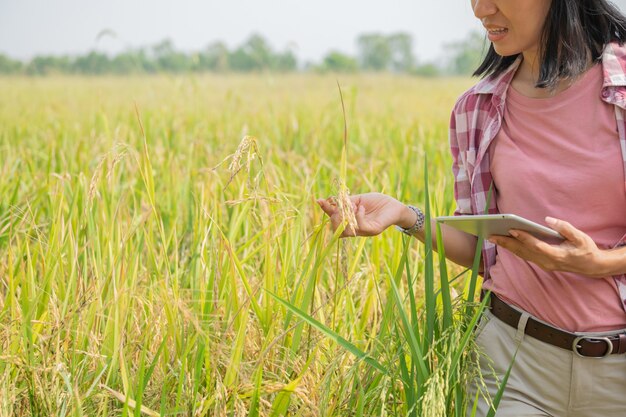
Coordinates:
[545,131]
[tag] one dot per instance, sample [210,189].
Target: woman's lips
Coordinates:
[497,34]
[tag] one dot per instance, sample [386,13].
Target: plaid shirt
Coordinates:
[476,119]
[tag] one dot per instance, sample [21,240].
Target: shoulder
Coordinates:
[480,105]
[485,93]
[472,108]
[488,92]
[469,101]
[614,50]
[614,64]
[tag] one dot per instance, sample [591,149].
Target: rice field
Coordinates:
[161,252]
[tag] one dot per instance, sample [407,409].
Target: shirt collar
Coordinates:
[613,67]
[497,85]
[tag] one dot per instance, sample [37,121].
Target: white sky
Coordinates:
[310,28]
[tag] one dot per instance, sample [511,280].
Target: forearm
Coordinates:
[613,262]
[460,247]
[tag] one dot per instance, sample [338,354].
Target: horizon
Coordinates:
[32,28]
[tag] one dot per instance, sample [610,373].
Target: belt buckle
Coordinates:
[576,346]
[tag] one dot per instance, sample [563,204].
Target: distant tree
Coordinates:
[213,58]
[130,62]
[92,63]
[255,54]
[170,60]
[339,62]
[259,51]
[374,52]
[284,62]
[44,65]
[466,55]
[401,47]
[377,52]
[9,66]
[240,60]
[244,58]
[146,60]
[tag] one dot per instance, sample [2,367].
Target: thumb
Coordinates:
[568,231]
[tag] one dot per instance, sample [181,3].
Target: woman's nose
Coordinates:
[484,8]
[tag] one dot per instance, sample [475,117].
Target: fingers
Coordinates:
[533,244]
[528,247]
[573,255]
[568,231]
[322,204]
[513,245]
[331,208]
[328,205]
[509,243]
[359,214]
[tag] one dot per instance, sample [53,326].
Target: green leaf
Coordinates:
[498,397]
[446,299]
[416,350]
[429,272]
[331,334]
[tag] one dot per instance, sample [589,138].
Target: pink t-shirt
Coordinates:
[540,169]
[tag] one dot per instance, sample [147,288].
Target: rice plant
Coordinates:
[161,252]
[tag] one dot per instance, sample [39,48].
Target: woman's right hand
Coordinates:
[374,212]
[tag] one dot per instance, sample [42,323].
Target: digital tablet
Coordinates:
[499,224]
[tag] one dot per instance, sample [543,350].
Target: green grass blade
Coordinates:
[416,350]
[500,393]
[471,293]
[446,299]
[429,271]
[253,410]
[408,381]
[468,333]
[331,334]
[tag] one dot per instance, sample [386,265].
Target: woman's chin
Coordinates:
[504,51]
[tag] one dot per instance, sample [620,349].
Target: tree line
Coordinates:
[375,52]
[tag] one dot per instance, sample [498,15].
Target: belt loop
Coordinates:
[621,343]
[521,327]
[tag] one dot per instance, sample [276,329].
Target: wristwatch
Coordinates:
[419,223]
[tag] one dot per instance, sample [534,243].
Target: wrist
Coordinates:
[407,218]
[411,221]
[611,262]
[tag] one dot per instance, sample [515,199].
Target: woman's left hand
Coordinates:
[578,253]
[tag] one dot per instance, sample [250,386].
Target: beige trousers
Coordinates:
[545,380]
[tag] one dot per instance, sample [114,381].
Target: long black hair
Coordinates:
[574,31]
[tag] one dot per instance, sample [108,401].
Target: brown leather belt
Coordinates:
[585,346]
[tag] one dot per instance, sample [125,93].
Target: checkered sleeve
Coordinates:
[458,137]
